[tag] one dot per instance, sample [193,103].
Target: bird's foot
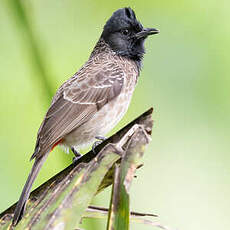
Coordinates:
[99,139]
[76,154]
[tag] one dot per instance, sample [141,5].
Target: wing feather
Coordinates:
[77,101]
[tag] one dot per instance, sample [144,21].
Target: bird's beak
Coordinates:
[146,32]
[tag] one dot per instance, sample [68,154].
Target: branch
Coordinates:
[63,199]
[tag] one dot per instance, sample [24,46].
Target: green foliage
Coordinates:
[119,206]
[64,204]
[36,57]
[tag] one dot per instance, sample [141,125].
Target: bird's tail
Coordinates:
[20,208]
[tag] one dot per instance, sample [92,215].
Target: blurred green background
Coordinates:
[186,176]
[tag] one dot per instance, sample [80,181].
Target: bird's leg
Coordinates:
[76,154]
[99,139]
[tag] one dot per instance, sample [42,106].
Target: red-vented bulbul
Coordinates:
[93,100]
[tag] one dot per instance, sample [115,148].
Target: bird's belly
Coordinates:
[101,123]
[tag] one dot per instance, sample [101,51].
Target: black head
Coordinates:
[125,35]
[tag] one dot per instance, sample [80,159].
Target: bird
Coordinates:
[90,103]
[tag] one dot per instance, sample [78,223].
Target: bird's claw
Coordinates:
[96,143]
[75,159]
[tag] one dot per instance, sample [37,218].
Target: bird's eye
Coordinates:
[125,32]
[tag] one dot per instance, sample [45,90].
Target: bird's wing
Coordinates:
[77,101]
